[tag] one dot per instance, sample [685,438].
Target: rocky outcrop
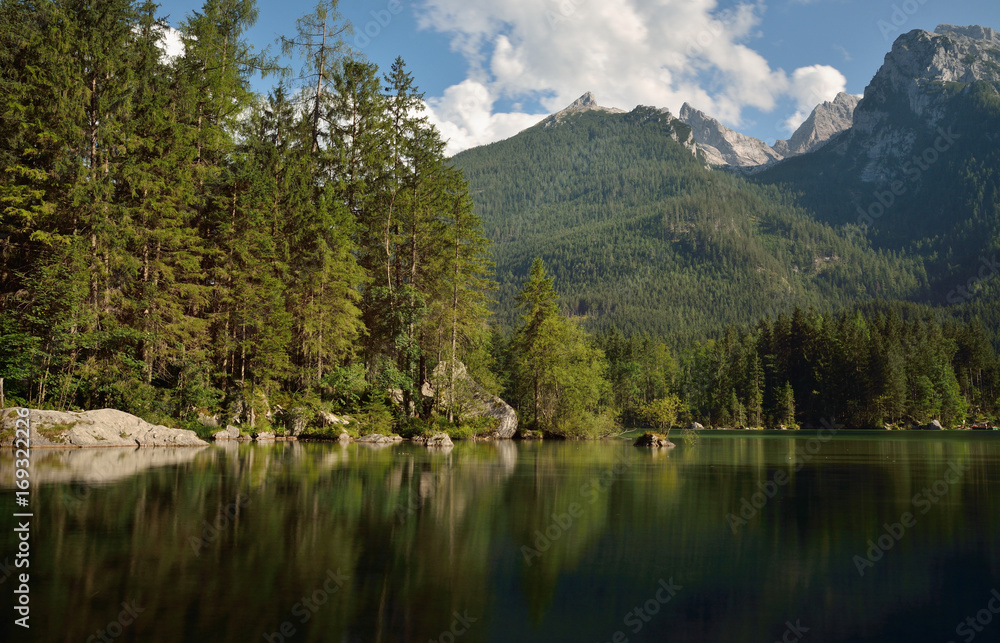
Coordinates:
[827,120]
[696,426]
[911,96]
[653,440]
[723,146]
[295,420]
[100,428]
[470,399]
[265,436]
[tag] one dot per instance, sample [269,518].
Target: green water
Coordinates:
[323,542]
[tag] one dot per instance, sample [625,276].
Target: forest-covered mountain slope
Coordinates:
[639,234]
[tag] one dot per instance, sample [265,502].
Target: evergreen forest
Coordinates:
[177,246]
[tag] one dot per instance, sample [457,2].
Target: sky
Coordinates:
[491,68]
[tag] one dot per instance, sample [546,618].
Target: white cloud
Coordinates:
[811,86]
[465,117]
[170,43]
[628,52]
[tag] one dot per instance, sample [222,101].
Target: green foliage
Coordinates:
[560,373]
[891,364]
[172,243]
[642,237]
[483,425]
[374,417]
[344,386]
[663,412]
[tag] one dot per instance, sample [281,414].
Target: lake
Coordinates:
[874,537]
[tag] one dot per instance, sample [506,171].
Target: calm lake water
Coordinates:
[726,539]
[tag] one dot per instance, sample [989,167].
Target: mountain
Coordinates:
[918,173]
[640,234]
[919,170]
[826,121]
[723,146]
[586,103]
[903,204]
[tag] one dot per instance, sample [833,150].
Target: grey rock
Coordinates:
[439,440]
[295,420]
[723,146]
[208,420]
[827,120]
[229,433]
[99,428]
[344,437]
[265,436]
[377,438]
[472,400]
[329,419]
[905,103]
[696,426]
[973,32]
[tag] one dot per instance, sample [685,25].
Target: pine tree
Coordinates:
[534,341]
[319,42]
[785,408]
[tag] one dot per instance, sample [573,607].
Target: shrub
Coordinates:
[375,417]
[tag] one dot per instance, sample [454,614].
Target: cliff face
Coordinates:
[826,121]
[913,93]
[723,146]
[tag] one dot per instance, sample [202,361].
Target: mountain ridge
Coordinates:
[641,234]
[725,146]
[826,120]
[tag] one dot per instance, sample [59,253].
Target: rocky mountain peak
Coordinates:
[912,92]
[723,146]
[826,121]
[585,103]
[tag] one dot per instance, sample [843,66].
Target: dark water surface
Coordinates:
[589,542]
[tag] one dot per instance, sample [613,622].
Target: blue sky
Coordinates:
[490,68]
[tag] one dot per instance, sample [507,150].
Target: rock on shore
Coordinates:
[377,438]
[100,428]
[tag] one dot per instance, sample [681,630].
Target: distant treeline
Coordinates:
[868,367]
[896,364]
